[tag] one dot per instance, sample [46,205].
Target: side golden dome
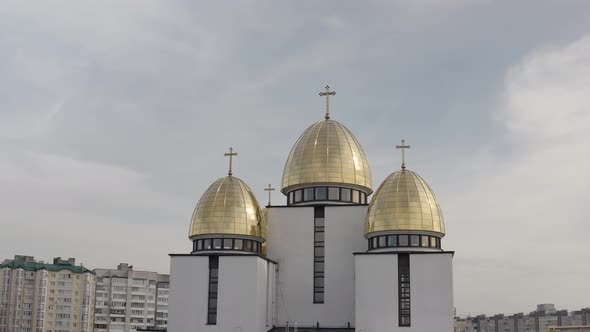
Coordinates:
[327,153]
[228,206]
[404,202]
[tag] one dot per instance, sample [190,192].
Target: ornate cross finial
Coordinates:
[269,189]
[403,147]
[230,154]
[328,93]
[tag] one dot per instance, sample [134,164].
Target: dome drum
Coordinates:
[314,193]
[227,243]
[404,241]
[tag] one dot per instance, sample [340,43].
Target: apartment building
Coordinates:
[130,300]
[42,297]
[545,318]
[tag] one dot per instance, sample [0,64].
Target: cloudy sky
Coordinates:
[114,117]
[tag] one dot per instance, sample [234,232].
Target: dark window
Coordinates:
[403,276]
[392,241]
[238,244]
[308,194]
[318,254]
[247,245]
[321,193]
[216,243]
[403,241]
[227,244]
[345,195]
[415,240]
[207,244]
[213,287]
[297,194]
[334,194]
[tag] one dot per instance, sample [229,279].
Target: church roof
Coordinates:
[228,206]
[404,202]
[327,153]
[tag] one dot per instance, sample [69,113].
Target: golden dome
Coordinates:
[404,202]
[228,206]
[327,153]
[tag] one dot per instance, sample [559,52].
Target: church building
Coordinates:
[335,256]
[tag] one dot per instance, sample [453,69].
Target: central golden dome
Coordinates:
[228,206]
[327,153]
[404,202]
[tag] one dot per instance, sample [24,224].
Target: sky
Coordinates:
[114,117]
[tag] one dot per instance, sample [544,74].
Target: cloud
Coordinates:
[525,206]
[65,207]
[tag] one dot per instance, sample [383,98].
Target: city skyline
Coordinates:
[111,129]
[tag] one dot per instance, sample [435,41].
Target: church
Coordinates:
[336,256]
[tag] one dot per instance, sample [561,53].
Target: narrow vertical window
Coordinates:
[403,280]
[213,287]
[318,255]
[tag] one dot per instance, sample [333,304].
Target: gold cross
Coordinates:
[328,93]
[403,147]
[269,189]
[230,154]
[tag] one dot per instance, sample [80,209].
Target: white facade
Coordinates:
[245,300]
[431,292]
[290,243]
[127,299]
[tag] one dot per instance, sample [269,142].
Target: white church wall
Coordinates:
[431,289]
[376,293]
[187,301]
[290,242]
[242,294]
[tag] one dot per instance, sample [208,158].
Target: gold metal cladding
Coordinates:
[327,153]
[404,201]
[228,206]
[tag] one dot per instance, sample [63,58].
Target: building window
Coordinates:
[345,195]
[308,194]
[356,196]
[392,241]
[403,241]
[403,280]
[227,244]
[290,196]
[334,194]
[415,240]
[238,244]
[318,254]
[213,287]
[297,196]
[424,241]
[321,193]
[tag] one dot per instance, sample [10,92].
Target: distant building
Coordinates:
[130,300]
[545,318]
[41,297]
